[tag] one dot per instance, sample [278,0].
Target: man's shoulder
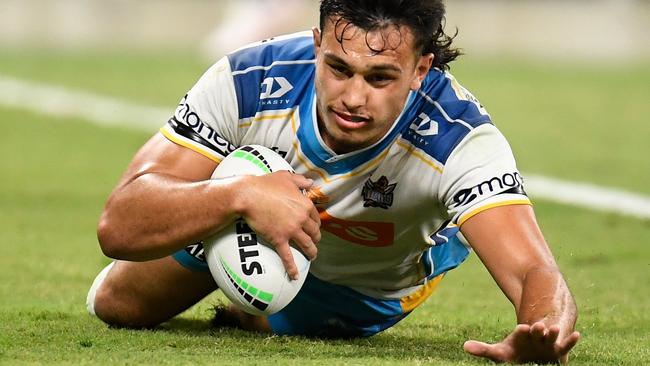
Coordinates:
[273,74]
[451,100]
[442,112]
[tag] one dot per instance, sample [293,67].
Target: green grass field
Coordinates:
[573,122]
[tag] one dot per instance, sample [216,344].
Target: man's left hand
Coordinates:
[527,343]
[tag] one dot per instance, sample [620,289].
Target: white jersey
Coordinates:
[388,210]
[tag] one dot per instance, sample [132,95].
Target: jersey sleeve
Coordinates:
[481,173]
[206,118]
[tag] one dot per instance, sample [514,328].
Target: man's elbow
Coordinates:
[111,240]
[119,240]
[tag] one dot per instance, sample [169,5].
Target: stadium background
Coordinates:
[567,81]
[610,30]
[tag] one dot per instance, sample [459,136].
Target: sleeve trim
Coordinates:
[182,142]
[474,212]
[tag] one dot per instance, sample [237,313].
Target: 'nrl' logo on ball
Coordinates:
[378,194]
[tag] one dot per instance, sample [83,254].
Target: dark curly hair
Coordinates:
[425,18]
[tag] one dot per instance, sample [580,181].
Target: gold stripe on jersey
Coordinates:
[414,300]
[466,216]
[296,148]
[455,85]
[264,117]
[179,140]
[411,149]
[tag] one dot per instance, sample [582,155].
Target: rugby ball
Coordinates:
[246,268]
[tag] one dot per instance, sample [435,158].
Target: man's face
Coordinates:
[361,92]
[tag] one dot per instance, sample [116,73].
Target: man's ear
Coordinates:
[421,70]
[317,39]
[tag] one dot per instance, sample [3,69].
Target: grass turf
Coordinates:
[57,174]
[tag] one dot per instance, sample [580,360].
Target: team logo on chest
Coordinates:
[378,194]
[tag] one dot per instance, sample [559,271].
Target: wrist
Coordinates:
[236,198]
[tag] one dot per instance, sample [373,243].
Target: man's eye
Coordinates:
[338,69]
[379,79]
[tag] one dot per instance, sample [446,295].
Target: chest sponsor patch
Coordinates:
[366,233]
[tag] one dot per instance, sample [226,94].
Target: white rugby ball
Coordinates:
[246,268]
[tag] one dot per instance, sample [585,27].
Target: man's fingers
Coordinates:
[521,330]
[314,215]
[476,348]
[538,332]
[284,251]
[553,333]
[305,244]
[526,343]
[301,181]
[486,350]
[312,228]
[521,333]
[569,342]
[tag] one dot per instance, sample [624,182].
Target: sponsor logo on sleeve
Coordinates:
[424,126]
[273,89]
[269,91]
[187,123]
[506,183]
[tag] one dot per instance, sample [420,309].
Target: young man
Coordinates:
[398,158]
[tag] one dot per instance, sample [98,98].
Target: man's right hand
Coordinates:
[274,206]
[166,199]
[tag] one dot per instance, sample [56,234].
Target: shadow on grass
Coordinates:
[417,343]
[187,325]
[424,343]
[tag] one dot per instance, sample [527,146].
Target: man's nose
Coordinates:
[355,94]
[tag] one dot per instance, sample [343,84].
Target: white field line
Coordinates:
[101,110]
[64,102]
[588,195]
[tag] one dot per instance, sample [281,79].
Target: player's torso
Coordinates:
[379,207]
[377,217]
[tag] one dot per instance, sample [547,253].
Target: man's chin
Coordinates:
[343,141]
[346,145]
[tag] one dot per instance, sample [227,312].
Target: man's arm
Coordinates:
[165,201]
[511,246]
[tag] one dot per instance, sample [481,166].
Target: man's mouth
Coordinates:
[349,121]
